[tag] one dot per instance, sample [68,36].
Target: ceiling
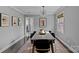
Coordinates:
[36,10]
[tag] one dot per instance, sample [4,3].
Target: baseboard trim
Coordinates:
[10,44]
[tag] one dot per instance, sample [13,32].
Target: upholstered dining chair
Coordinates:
[53,34]
[42,46]
[32,34]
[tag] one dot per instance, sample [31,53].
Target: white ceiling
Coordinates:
[36,10]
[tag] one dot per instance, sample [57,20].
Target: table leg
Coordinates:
[52,47]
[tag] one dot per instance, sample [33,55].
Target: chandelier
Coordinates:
[42,23]
[43,18]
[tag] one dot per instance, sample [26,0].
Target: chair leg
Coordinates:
[52,47]
[33,49]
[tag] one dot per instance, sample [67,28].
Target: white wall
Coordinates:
[50,22]
[10,33]
[71,29]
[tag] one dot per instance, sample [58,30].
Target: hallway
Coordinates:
[59,48]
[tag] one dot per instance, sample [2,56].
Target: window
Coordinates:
[60,22]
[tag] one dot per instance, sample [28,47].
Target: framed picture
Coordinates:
[4,20]
[42,22]
[14,21]
[19,21]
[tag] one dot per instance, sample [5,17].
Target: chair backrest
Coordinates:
[32,34]
[49,31]
[42,45]
[53,34]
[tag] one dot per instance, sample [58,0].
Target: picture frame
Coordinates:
[19,21]
[14,21]
[4,20]
[42,22]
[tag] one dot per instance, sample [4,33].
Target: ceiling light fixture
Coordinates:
[43,18]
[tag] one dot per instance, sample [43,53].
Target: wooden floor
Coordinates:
[58,47]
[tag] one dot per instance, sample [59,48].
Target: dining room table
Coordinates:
[46,36]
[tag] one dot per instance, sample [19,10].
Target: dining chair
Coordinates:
[50,32]
[53,34]
[32,34]
[42,46]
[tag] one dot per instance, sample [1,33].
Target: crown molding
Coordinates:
[16,9]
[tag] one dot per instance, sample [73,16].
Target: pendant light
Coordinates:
[42,22]
[43,18]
